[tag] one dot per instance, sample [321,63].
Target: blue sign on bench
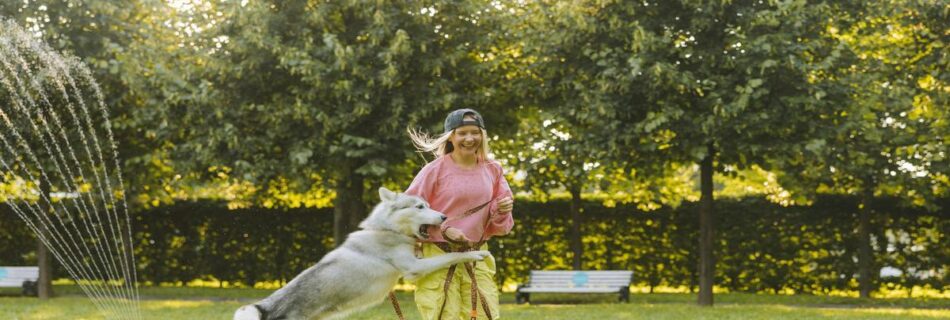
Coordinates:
[3,272]
[580,279]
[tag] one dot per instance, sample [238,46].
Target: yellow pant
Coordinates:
[458,301]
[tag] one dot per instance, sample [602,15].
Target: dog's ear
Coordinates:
[386,195]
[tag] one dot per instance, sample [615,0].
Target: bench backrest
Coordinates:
[14,276]
[580,278]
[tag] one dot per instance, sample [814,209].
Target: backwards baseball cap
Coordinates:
[457,119]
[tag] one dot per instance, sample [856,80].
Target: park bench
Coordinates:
[22,277]
[580,281]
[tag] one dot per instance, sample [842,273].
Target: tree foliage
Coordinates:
[328,89]
[300,103]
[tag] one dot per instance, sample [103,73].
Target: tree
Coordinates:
[572,90]
[883,137]
[726,85]
[302,89]
[126,46]
[553,156]
[94,32]
[708,82]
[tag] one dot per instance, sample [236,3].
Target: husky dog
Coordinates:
[362,271]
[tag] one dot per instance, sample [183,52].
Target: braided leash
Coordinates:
[392,298]
[476,293]
[470,268]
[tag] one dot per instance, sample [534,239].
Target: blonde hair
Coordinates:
[441,145]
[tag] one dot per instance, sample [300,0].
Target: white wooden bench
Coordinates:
[579,281]
[22,277]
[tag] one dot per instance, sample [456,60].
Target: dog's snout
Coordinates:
[444,218]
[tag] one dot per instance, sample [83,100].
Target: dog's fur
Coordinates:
[362,271]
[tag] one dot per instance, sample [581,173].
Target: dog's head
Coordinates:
[402,213]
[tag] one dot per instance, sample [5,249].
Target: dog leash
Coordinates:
[476,294]
[392,298]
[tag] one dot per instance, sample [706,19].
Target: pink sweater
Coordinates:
[453,190]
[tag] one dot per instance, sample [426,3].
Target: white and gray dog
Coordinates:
[362,271]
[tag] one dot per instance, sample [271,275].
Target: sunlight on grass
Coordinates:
[165,303]
[174,304]
[27,308]
[931,313]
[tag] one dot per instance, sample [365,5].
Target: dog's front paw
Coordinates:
[479,255]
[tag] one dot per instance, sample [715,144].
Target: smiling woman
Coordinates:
[469,187]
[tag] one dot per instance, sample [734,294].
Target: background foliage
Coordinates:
[764,247]
[272,113]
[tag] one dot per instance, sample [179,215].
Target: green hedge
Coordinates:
[762,246]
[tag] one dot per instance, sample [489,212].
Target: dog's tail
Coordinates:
[249,312]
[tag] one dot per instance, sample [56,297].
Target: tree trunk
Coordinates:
[356,206]
[284,238]
[707,262]
[348,209]
[865,254]
[44,284]
[576,245]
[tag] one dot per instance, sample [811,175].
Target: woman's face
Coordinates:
[467,139]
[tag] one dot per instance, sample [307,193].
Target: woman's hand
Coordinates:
[505,205]
[455,235]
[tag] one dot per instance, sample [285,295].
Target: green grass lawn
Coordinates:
[207,303]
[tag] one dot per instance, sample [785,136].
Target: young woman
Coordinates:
[470,188]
